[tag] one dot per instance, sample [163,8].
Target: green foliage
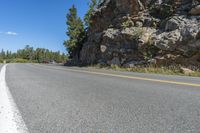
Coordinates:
[29,54]
[127,24]
[2,54]
[26,53]
[75,32]
[44,55]
[17,60]
[92,6]
[170,70]
[1,60]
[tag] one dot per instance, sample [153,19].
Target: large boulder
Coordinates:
[195,10]
[167,41]
[131,32]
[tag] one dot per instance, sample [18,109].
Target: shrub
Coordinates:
[18,60]
[170,70]
[127,24]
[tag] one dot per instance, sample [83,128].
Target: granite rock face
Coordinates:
[131,32]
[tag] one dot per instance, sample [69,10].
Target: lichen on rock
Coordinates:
[125,32]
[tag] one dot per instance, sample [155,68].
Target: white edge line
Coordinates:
[11,120]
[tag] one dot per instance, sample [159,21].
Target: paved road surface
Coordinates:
[56,99]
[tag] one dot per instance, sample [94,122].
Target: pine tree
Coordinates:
[3,54]
[92,6]
[75,32]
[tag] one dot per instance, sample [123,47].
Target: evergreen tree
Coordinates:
[29,54]
[92,6]
[3,54]
[75,32]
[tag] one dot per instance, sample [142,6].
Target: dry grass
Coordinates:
[151,69]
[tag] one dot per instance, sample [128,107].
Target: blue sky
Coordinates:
[39,23]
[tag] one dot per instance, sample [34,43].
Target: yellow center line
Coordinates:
[125,76]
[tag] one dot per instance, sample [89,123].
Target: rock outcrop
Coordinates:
[132,32]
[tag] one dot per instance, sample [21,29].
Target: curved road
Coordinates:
[57,99]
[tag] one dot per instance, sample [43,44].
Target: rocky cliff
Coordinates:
[133,32]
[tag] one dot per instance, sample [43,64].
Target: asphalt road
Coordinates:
[56,99]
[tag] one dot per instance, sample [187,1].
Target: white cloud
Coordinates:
[11,33]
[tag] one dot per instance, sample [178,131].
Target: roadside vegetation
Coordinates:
[170,70]
[31,55]
[77,34]
[77,29]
